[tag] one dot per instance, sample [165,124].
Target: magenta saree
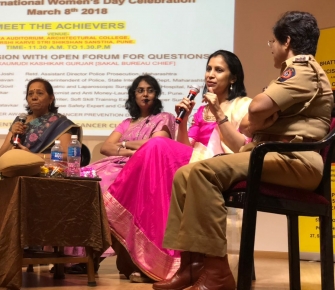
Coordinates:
[137,203]
[109,167]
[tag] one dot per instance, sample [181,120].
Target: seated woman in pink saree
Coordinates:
[137,203]
[147,120]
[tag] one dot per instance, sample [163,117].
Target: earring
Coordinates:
[49,107]
[231,86]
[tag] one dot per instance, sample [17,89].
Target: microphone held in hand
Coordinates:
[146,101]
[18,137]
[191,95]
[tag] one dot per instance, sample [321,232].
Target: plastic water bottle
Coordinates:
[56,154]
[56,169]
[73,157]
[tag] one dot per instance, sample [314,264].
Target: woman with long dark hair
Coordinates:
[146,121]
[137,203]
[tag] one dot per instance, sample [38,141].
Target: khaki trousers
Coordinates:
[197,217]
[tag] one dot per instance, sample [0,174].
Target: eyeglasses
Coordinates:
[150,91]
[270,42]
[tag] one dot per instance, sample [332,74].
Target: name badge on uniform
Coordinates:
[301,59]
[287,74]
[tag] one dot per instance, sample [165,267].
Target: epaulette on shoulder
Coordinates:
[301,59]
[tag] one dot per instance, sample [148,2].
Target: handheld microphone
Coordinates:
[146,101]
[17,138]
[191,95]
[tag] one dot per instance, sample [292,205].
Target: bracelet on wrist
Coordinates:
[124,144]
[224,120]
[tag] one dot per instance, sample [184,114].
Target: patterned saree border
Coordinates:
[146,256]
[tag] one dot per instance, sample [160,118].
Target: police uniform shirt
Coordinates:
[296,87]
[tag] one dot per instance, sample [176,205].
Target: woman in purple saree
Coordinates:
[137,203]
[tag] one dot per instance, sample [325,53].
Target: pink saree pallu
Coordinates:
[138,201]
[110,167]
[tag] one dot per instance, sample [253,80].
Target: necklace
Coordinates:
[139,119]
[207,116]
[138,124]
[145,121]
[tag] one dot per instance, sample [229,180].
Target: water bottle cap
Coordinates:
[57,142]
[74,137]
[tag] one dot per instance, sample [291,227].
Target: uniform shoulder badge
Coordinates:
[287,74]
[301,59]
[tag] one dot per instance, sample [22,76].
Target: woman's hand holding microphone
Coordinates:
[185,104]
[18,129]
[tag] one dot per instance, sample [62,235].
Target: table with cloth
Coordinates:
[38,211]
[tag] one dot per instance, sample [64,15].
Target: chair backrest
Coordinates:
[328,154]
[85,155]
[324,151]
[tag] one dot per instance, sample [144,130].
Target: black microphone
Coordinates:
[146,100]
[18,137]
[191,95]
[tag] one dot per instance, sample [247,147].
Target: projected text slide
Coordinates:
[91,51]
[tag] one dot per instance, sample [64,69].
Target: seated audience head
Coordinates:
[143,97]
[40,97]
[233,82]
[297,32]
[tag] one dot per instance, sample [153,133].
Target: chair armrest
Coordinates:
[260,150]
[280,147]
[257,159]
[276,146]
[258,153]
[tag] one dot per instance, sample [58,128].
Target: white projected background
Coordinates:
[91,51]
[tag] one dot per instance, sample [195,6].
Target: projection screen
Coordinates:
[91,50]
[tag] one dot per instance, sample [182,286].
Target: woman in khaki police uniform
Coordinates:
[294,108]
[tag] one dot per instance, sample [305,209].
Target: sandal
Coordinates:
[137,277]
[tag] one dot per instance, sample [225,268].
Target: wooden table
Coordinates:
[38,211]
